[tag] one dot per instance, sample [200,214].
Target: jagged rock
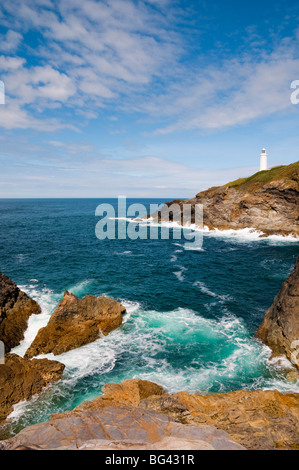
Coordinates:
[76,322]
[21,378]
[267,201]
[280,327]
[119,428]
[129,392]
[15,309]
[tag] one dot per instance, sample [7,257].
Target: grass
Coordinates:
[262,177]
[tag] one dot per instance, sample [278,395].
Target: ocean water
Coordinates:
[191,314]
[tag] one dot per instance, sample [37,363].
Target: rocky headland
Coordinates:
[15,309]
[76,322]
[267,201]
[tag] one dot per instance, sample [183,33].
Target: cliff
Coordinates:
[267,201]
[280,327]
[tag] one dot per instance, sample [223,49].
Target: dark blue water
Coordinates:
[192,314]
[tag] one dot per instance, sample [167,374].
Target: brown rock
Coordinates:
[76,322]
[129,392]
[280,327]
[15,309]
[255,419]
[21,378]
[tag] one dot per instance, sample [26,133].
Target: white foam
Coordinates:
[205,290]
[179,274]
[48,301]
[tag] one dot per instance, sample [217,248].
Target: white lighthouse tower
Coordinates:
[263,160]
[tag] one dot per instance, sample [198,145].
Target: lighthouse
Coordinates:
[263,161]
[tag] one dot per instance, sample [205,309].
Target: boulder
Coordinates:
[280,327]
[21,378]
[76,322]
[15,309]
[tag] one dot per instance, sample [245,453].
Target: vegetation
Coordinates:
[262,177]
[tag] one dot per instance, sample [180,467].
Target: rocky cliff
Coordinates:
[15,309]
[141,415]
[267,201]
[280,327]
[76,322]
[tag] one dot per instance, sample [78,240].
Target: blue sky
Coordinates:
[153,98]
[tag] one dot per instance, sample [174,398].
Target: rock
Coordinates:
[118,428]
[76,322]
[15,309]
[21,378]
[280,327]
[129,392]
[267,201]
[260,420]
[255,419]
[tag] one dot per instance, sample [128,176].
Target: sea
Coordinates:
[192,314]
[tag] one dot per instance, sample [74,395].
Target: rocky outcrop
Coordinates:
[261,420]
[141,415]
[267,201]
[255,419]
[15,309]
[21,378]
[76,322]
[130,392]
[280,327]
[104,426]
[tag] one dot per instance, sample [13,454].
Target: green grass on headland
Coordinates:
[262,177]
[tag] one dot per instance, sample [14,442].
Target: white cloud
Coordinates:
[95,51]
[10,41]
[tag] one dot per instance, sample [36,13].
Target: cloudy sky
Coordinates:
[156,98]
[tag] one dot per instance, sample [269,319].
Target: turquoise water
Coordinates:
[191,314]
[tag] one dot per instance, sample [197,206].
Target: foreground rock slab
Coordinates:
[15,309]
[255,419]
[125,428]
[138,414]
[280,327]
[76,322]
[20,379]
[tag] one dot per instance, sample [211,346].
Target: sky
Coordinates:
[156,98]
